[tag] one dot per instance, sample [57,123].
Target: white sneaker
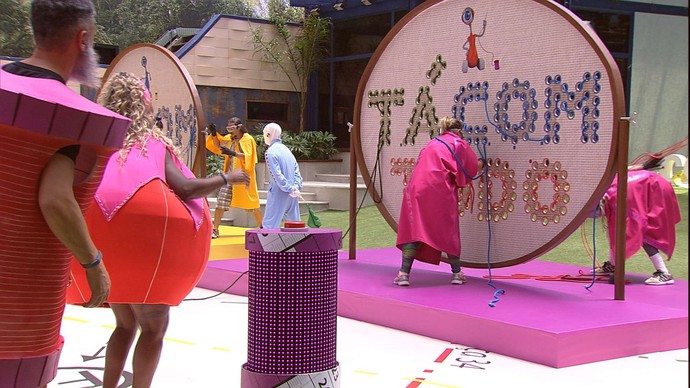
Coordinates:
[659,279]
[458,278]
[402,280]
[606,269]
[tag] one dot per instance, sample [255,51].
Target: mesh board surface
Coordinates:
[174,96]
[541,103]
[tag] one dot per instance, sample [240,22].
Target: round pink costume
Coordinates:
[154,245]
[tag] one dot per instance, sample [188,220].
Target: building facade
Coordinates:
[232,78]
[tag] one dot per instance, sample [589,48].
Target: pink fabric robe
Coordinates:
[652,214]
[429,211]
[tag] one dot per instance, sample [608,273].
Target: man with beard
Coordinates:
[41,191]
[63,34]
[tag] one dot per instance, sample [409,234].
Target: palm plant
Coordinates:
[299,55]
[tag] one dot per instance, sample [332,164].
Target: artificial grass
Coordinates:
[374,232]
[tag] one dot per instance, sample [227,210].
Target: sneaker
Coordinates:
[214,234]
[659,279]
[458,278]
[606,269]
[402,280]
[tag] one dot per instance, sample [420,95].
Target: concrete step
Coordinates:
[337,194]
[327,190]
[336,178]
[244,218]
[306,195]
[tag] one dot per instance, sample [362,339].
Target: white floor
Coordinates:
[206,346]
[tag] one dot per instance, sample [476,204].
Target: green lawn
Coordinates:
[374,232]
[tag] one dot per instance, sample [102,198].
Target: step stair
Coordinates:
[337,178]
[322,190]
[244,218]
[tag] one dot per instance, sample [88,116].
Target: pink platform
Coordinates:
[554,323]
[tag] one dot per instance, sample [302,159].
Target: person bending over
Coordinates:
[652,215]
[429,222]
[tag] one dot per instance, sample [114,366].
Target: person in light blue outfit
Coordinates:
[284,181]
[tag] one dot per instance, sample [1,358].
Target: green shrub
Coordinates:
[309,145]
[319,145]
[214,164]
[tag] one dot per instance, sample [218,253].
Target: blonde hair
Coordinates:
[451,124]
[124,93]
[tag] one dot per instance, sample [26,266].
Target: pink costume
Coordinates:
[39,116]
[154,245]
[429,210]
[652,214]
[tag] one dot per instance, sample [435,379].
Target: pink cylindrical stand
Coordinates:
[293,289]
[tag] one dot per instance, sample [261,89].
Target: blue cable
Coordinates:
[457,160]
[594,249]
[498,291]
[501,130]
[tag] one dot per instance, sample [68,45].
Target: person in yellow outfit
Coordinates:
[239,149]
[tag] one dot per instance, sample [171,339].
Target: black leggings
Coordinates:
[409,251]
[649,250]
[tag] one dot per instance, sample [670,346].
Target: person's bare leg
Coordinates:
[119,344]
[258,217]
[153,321]
[217,216]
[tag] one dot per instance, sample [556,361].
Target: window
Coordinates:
[267,111]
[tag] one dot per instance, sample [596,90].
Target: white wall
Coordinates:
[226,57]
[659,83]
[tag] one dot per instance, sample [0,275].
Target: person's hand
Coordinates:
[237,177]
[294,192]
[99,283]
[227,151]
[212,129]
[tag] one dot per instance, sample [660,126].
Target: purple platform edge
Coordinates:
[553,323]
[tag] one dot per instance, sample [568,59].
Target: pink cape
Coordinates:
[652,213]
[120,182]
[429,211]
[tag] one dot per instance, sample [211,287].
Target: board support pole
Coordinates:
[621,207]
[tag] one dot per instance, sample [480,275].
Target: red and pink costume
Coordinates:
[154,245]
[38,117]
